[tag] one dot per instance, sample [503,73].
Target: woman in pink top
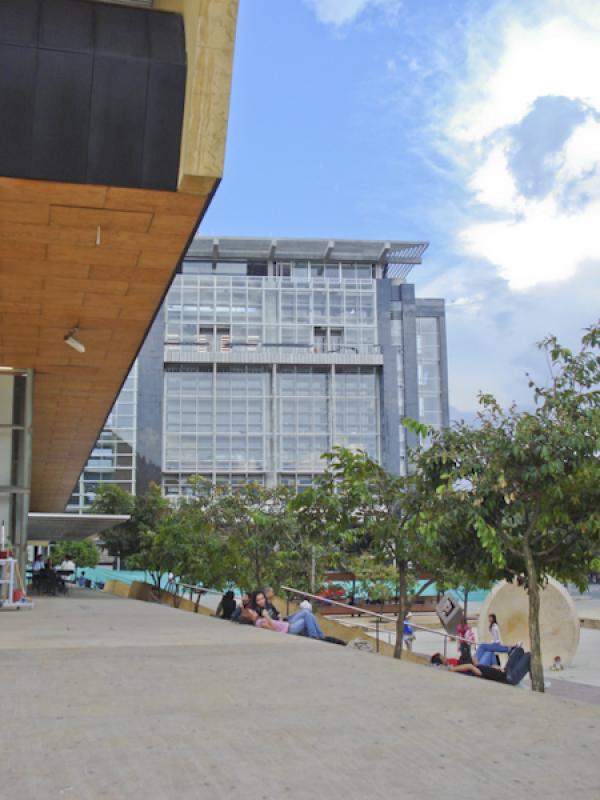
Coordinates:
[302,623]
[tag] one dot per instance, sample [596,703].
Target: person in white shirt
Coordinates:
[67,565]
[38,564]
[494,629]
[305,605]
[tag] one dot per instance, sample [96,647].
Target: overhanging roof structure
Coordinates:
[71,527]
[398,257]
[96,205]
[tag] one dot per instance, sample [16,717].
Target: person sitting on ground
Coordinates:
[227,605]
[302,623]
[305,605]
[81,579]
[270,604]
[238,613]
[518,665]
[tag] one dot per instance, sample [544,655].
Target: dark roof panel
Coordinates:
[91,93]
[19,21]
[122,31]
[67,25]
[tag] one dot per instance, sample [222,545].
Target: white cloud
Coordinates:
[342,12]
[492,183]
[531,238]
[522,129]
[557,57]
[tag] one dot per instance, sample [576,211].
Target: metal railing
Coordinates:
[378,617]
[180,590]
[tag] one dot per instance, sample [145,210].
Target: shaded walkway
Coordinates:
[114,698]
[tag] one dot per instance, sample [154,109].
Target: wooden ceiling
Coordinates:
[55,276]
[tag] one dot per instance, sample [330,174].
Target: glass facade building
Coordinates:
[267,353]
[113,459]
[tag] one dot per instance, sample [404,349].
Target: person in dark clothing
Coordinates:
[518,665]
[227,606]
[238,615]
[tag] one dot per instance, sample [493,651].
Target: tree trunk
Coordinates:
[257,571]
[403,607]
[466,608]
[537,668]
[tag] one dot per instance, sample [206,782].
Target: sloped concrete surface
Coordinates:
[104,697]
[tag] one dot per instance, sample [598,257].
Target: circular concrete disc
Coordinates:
[559,622]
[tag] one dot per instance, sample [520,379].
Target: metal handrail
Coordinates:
[200,590]
[375,614]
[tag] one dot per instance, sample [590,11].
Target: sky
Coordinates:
[471,124]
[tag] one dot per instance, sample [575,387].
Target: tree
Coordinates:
[164,548]
[372,511]
[527,483]
[251,520]
[145,511]
[211,560]
[121,540]
[374,578]
[308,546]
[84,553]
[461,561]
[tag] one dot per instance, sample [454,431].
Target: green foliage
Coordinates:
[374,578]
[522,486]
[84,553]
[164,548]
[122,540]
[145,512]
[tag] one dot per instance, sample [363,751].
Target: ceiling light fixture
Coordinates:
[72,341]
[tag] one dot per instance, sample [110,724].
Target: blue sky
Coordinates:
[474,125]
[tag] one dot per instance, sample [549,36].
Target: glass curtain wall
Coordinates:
[219,313]
[237,424]
[429,371]
[113,458]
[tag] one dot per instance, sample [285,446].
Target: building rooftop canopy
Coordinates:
[55,527]
[398,257]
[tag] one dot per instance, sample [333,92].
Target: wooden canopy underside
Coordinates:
[99,258]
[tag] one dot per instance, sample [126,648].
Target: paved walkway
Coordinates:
[119,699]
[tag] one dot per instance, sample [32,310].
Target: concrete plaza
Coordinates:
[105,697]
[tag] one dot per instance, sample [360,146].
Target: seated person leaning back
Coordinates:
[302,623]
[517,666]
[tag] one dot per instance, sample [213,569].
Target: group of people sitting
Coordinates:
[259,609]
[48,579]
[485,663]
